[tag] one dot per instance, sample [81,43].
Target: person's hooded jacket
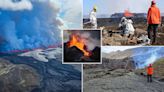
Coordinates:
[150,70]
[154,16]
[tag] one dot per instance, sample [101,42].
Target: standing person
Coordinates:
[93,18]
[154,19]
[149,73]
[122,25]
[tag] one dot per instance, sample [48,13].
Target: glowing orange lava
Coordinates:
[127,13]
[79,43]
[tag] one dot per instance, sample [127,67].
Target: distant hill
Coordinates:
[118,54]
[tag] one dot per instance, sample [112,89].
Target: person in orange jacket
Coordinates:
[150,71]
[154,19]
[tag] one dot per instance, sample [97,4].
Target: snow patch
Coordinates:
[44,55]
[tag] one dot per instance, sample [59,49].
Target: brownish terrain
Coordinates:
[111,35]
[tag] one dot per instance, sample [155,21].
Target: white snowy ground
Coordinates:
[47,54]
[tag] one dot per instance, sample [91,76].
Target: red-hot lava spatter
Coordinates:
[79,43]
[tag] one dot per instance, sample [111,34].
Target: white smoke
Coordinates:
[152,59]
[15,6]
[72,10]
[27,30]
[145,56]
[90,42]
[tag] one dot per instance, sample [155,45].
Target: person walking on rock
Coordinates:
[154,19]
[150,70]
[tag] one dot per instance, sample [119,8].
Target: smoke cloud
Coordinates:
[11,5]
[26,24]
[145,56]
[72,10]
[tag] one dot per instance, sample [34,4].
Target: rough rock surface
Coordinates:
[53,75]
[111,24]
[116,81]
[117,39]
[117,73]
[17,78]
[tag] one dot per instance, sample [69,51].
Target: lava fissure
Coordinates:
[79,42]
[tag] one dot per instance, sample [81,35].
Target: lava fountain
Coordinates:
[78,42]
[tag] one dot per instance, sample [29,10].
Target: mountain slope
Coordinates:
[55,76]
[118,72]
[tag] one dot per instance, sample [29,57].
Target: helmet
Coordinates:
[95,7]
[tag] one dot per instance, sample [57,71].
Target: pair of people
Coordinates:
[153,19]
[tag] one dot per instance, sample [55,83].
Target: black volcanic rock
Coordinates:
[17,78]
[126,63]
[54,76]
[72,54]
[96,54]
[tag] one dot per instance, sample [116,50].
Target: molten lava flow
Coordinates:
[127,13]
[79,43]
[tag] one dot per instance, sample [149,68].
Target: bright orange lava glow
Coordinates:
[127,13]
[79,43]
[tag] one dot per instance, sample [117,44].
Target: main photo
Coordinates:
[31,45]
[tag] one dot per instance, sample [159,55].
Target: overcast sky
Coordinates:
[109,7]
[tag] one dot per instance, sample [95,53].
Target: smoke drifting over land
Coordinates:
[141,56]
[28,24]
[145,56]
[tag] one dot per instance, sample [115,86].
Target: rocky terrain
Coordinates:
[119,81]
[17,78]
[111,33]
[120,75]
[38,71]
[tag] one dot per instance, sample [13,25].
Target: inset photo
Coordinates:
[82,46]
[126,22]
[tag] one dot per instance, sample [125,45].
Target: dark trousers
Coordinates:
[153,28]
[149,78]
[123,30]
